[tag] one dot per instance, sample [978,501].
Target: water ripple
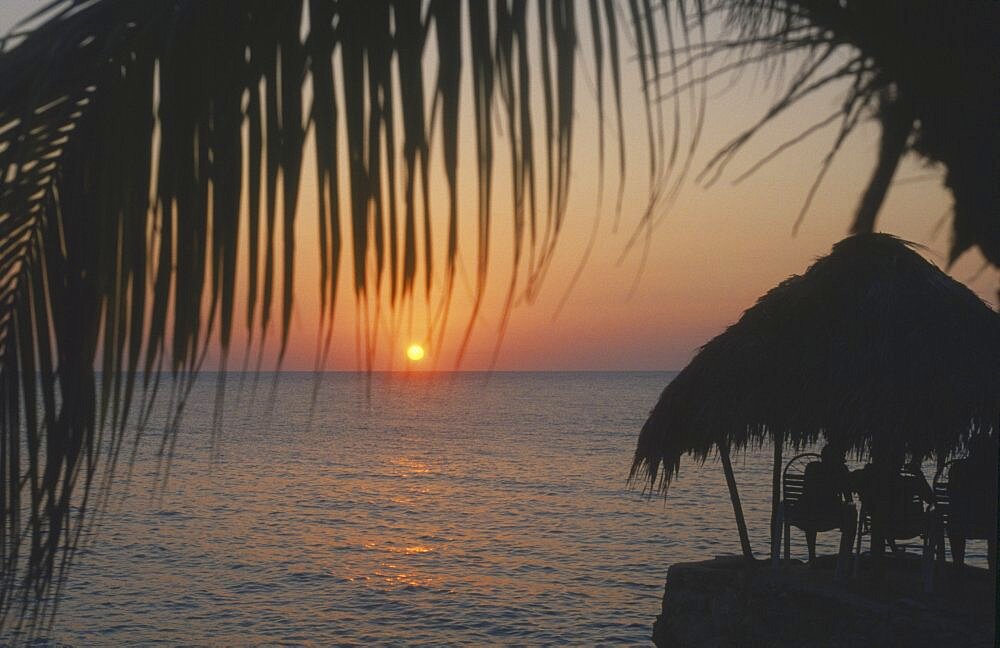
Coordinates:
[450,511]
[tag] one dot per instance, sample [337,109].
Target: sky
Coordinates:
[711,256]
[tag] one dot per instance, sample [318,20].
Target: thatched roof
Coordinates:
[873,346]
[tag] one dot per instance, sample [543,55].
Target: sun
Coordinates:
[415,352]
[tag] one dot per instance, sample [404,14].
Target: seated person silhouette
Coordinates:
[915,481]
[908,492]
[972,490]
[909,495]
[826,499]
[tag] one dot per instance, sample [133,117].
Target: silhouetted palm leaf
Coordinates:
[130,131]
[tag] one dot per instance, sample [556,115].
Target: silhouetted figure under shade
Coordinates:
[914,481]
[910,493]
[826,503]
[905,499]
[972,486]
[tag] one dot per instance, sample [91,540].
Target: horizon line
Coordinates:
[406,371]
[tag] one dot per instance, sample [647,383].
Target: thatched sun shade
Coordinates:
[873,346]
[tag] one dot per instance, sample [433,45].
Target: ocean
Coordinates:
[403,509]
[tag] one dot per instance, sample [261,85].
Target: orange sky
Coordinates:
[714,253]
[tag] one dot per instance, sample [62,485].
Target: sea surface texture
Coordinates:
[447,509]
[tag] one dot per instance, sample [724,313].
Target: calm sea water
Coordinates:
[433,510]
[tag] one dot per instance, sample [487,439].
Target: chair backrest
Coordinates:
[942,494]
[793,476]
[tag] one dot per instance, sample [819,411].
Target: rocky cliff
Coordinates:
[726,602]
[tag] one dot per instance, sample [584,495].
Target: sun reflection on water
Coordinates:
[417,549]
[411,467]
[407,550]
[399,579]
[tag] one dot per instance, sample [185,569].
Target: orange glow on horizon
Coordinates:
[644,307]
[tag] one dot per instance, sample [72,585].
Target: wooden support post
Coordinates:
[741,523]
[776,517]
[880,516]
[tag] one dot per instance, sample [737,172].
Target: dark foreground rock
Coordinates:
[725,602]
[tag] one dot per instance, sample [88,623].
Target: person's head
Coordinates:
[891,457]
[983,449]
[832,454]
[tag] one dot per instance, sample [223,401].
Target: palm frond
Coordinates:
[929,74]
[130,134]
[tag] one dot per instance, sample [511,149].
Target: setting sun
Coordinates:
[415,352]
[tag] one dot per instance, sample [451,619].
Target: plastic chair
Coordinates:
[792,488]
